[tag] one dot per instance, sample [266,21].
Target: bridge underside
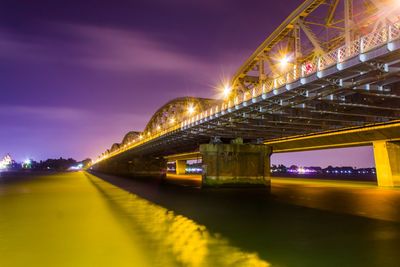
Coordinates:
[249,164]
[384,138]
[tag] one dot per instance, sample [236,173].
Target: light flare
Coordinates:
[284,62]
[227,91]
[191,109]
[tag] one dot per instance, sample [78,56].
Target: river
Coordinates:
[81,219]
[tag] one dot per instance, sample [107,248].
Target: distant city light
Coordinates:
[76,167]
[27,164]
[5,162]
[172,120]
[301,170]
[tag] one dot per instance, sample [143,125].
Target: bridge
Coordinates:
[328,76]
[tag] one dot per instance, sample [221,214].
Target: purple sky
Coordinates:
[75,76]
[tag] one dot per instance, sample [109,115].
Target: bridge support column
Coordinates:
[180,166]
[235,165]
[387,162]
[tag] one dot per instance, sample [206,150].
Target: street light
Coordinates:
[191,109]
[284,61]
[227,91]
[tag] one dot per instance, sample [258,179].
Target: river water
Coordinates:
[79,219]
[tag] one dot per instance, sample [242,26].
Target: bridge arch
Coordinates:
[130,137]
[176,111]
[115,147]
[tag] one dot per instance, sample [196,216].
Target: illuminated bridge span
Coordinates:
[310,77]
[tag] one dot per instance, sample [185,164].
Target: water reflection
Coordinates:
[173,237]
[297,224]
[79,220]
[361,199]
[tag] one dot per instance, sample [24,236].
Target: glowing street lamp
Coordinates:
[172,120]
[227,91]
[284,61]
[191,109]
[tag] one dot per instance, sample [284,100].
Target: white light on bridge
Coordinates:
[284,62]
[227,91]
[191,109]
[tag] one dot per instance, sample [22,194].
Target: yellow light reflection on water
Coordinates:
[356,198]
[79,220]
[189,243]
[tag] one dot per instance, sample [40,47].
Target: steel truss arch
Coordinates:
[176,111]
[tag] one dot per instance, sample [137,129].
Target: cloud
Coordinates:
[114,49]
[103,48]
[68,115]
[42,113]
[19,47]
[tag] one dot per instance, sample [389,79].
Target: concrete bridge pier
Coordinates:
[387,162]
[235,165]
[180,166]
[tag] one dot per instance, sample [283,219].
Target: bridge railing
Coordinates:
[328,60]
[293,75]
[366,43]
[394,31]
[374,39]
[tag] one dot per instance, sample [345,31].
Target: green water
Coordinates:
[78,219]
